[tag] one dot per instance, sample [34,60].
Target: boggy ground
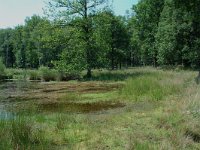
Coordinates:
[140,108]
[73,97]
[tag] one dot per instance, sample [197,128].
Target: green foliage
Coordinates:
[7,47]
[72,60]
[20,74]
[87,35]
[34,75]
[166,45]
[19,133]
[5,137]
[48,74]
[165,32]
[83,25]
[113,44]
[2,69]
[145,24]
[148,88]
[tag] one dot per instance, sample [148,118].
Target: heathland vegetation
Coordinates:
[112,99]
[138,108]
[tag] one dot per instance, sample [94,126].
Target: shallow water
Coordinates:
[40,97]
[7,90]
[4,114]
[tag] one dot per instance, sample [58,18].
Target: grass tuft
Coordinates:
[150,88]
[19,133]
[48,74]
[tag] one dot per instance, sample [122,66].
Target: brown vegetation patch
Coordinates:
[11,99]
[80,87]
[79,107]
[99,88]
[48,95]
[54,90]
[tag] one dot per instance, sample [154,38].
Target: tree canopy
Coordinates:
[86,34]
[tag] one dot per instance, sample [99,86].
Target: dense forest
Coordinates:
[85,35]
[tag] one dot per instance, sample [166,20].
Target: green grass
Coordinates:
[34,75]
[3,73]
[48,74]
[149,87]
[19,74]
[42,74]
[161,112]
[2,68]
[20,133]
[118,75]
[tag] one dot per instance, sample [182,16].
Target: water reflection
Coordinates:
[7,89]
[4,114]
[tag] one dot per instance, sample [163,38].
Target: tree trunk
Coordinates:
[120,65]
[7,49]
[89,73]
[112,59]
[87,40]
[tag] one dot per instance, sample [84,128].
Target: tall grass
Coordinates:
[5,136]
[48,74]
[19,74]
[19,133]
[194,106]
[34,75]
[118,75]
[192,113]
[151,87]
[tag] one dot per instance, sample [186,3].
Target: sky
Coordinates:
[14,12]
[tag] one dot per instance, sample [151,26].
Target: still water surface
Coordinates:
[7,91]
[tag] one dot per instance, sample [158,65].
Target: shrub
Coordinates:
[2,67]
[48,74]
[34,75]
[16,73]
[2,70]
[66,77]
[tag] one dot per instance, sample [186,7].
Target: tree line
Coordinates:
[86,34]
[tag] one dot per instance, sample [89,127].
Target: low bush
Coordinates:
[34,75]
[48,74]
[66,77]
[2,71]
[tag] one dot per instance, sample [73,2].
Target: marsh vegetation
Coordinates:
[145,108]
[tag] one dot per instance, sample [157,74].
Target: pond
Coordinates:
[8,92]
[53,97]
